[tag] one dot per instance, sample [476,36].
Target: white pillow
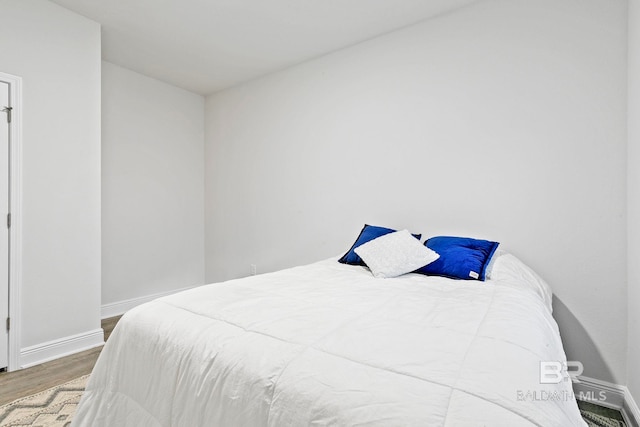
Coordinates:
[395,254]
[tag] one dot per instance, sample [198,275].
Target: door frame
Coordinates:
[15,207]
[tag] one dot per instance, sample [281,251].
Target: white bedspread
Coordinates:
[328,344]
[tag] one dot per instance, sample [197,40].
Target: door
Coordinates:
[5,134]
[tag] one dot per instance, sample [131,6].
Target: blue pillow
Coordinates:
[460,257]
[368,232]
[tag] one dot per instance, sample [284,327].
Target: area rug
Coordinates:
[595,420]
[51,408]
[599,416]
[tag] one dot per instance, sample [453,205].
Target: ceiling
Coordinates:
[207,45]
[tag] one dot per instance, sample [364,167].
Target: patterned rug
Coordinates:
[599,416]
[595,420]
[51,408]
[56,406]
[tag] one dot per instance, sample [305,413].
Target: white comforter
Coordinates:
[328,344]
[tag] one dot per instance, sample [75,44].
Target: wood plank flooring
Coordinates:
[17,384]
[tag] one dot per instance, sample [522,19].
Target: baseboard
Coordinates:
[599,392]
[609,395]
[121,307]
[630,409]
[45,352]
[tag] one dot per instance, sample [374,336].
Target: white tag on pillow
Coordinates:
[395,254]
[474,275]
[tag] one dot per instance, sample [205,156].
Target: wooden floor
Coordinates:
[17,384]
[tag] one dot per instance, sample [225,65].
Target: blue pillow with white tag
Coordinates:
[460,257]
[368,232]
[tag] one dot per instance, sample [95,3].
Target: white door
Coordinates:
[4,231]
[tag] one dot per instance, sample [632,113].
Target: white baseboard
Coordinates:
[45,352]
[599,392]
[631,409]
[121,307]
[610,395]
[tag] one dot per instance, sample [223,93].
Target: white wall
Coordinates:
[152,186]
[504,120]
[633,188]
[57,53]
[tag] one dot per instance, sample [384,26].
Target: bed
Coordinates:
[329,344]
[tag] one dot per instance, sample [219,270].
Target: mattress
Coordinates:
[329,344]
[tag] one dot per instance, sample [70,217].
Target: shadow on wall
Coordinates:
[574,335]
